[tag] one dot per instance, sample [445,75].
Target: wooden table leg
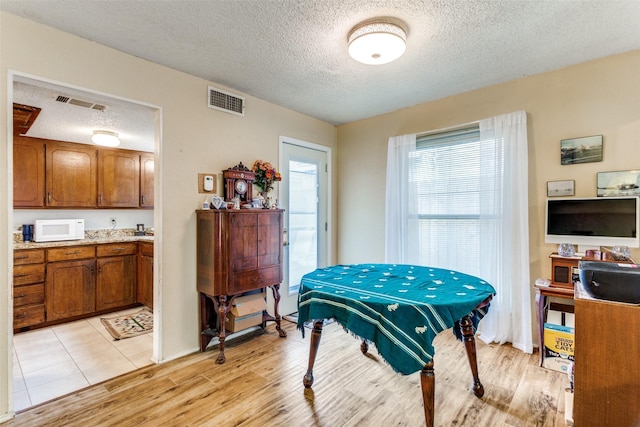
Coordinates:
[364,347]
[541,301]
[466,327]
[275,289]
[316,333]
[223,308]
[428,383]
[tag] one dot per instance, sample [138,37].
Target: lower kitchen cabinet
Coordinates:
[70,289]
[70,282]
[145,274]
[28,288]
[116,275]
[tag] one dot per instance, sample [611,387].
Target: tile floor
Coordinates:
[54,361]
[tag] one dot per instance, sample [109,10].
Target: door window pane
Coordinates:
[303,221]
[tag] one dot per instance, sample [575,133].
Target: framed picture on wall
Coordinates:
[619,183]
[587,149]
[560,188]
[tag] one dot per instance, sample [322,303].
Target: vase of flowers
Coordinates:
[265,176]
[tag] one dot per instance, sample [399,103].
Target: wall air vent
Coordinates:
[79,102]
[225,101]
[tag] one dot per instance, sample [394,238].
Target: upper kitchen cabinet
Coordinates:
[71,175]
[56,174]
[28,172]
[146,180]
[23,118]
[118,179]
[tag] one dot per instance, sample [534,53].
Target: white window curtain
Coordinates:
[504,230]
[401,228]
[506,250]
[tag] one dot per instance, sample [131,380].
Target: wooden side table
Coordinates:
[542,294]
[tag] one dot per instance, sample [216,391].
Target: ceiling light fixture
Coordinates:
[105,138]
[377,41]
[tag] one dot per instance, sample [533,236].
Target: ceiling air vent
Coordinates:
[225,101]
[79,102]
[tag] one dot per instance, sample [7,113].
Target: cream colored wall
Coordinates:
[194,139]
[598,97]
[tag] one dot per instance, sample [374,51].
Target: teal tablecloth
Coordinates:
[399,308]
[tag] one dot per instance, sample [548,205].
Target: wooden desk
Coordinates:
[399,308]
[542,295]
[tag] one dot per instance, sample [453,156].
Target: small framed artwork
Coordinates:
[560,188]
[587,149]
[619,183]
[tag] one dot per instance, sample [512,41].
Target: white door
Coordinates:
[303,195]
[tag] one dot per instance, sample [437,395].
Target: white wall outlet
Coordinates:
[208,183]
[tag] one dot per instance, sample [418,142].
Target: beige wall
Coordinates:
[598,97]
[194,139]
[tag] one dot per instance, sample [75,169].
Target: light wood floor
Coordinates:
[261,385]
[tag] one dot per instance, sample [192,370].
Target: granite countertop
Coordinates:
[92,237]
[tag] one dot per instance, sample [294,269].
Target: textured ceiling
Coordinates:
[294,52]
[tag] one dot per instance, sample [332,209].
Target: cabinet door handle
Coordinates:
[48,197]
[118,249]
[100,201]
[142,198]
[22,257]
[73,253]
[21,275]
[20,295]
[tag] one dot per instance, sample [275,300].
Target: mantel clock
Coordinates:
[238,182]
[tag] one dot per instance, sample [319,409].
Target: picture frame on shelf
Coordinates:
[561,188]
[618,183]
[586,149]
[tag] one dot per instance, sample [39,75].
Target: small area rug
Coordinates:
[130,325]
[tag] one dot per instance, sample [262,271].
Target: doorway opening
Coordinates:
[37,374]
[304,195]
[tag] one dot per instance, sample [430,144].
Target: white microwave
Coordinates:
[52,230]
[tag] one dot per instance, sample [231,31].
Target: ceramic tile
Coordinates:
[18,379]
[57,388]
[33,343]
[51,362]
[51,373]
[108,364]
[133,345]
[21,400]
[85,343]
[47,357]
[74,329]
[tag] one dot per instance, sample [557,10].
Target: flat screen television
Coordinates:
[593,222]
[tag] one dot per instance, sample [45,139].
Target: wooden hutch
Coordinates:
[238,251]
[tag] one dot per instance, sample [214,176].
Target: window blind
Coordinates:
[449,168]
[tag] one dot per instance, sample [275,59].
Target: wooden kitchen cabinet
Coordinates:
[71,174]
[56,284]
[59,174]
[145,274]
[28,172]
[118,179]
[237,251]
[116,275]
[28,288]
[147,165]
[70,289]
